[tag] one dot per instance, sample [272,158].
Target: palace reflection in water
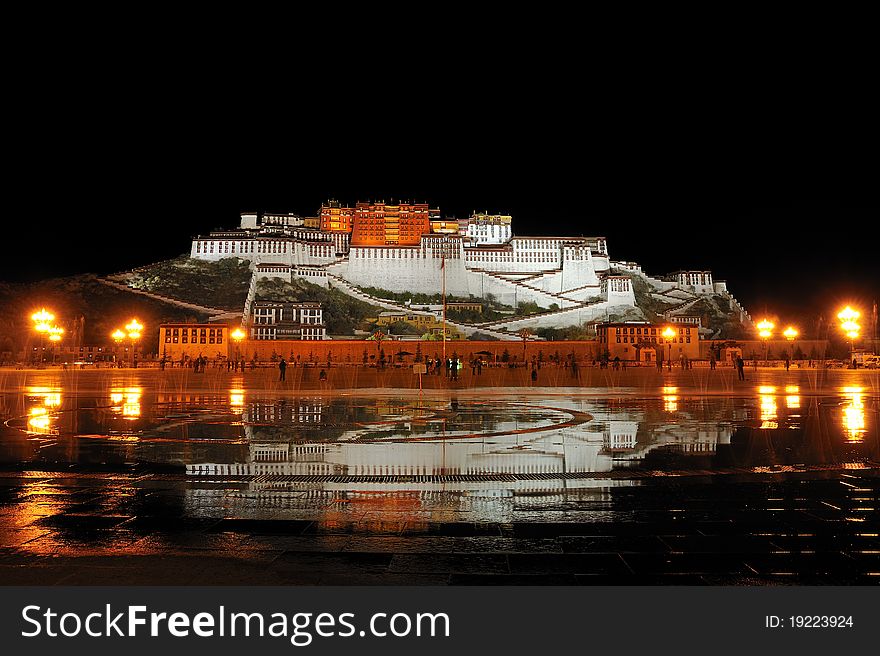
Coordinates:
[245,453]
[239,433]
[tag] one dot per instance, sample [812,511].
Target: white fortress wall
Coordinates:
[578,268]
[601,264]
[618,290]
[403,269]
[284,250]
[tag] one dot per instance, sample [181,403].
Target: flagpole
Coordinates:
[443,269]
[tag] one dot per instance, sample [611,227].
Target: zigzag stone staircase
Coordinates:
[465,328]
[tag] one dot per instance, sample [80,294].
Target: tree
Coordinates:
[524,334]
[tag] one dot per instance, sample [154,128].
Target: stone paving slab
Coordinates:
[608,564]
[450,563]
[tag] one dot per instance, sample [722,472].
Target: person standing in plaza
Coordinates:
[740,368]
[282,369]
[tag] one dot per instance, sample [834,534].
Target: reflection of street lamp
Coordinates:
[237,335]
[850,326]
[669,334]
[765,332]
[791,335]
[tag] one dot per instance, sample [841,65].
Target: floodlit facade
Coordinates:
[641,341]
[410,248]
[186,341]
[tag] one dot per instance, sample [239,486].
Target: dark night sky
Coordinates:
[785,215]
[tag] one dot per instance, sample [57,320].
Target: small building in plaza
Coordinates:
[187,341]
[642,341]
[272,320]
[90,354]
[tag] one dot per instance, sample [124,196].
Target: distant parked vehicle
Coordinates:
[871,362]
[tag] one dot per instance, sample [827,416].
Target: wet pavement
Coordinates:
[688,477]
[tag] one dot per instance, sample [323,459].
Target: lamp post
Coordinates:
[42,325]
[765,332]
[133,329]
[791,335]
[55,334]
[669,333]
[850,327]
[118,337]
[237,335]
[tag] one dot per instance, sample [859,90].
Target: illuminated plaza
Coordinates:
[638,476]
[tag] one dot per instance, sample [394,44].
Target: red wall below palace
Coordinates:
[342,351]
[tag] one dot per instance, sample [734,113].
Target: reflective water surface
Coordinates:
[114,477]
[471,440]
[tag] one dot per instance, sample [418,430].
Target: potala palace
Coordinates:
[410,248]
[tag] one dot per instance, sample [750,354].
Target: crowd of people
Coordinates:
[450,367]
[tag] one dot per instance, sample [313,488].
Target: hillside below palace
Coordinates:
[409,247]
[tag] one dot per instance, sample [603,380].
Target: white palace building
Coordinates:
[408,248]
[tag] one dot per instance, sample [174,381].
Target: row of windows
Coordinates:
[636,330]
[195,331]
[653,340]
[185,340]
[272,333]
[520,257]
[207,247]
[243,247]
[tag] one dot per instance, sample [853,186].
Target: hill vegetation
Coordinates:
[222,284]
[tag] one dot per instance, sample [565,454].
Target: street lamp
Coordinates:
[42,325]
[237,335]
[118,337]
[669,333]
[850,327]
[765,332]
[55,334]
[133,329]
[791,335]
